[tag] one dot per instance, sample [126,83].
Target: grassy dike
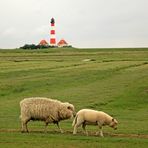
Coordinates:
[112,80]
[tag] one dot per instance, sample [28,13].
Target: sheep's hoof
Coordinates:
[101,135]
[61,131]
[86,133]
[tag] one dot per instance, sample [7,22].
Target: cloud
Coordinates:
[41,29]
[9,32]
[84,23]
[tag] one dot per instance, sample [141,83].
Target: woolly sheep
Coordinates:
[92,117]
[44,109]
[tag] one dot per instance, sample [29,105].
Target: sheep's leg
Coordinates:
[24,126]
[46,125]
[75,129]
[101,132]
[76,126]
[84,128]
[79,121]
[59,127]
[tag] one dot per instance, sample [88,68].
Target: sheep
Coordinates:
[44,109]
[92,117]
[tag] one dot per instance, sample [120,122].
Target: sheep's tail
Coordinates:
[74,121]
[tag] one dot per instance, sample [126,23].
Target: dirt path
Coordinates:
[145,136]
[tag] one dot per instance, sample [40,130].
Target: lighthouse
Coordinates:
[52,33]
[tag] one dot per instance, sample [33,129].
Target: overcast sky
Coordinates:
[82,23]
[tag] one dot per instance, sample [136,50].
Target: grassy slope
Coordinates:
[115,80]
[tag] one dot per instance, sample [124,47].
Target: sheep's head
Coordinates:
[114,124]
[71,108]
[67,111]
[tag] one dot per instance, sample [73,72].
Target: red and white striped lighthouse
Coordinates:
[52,33]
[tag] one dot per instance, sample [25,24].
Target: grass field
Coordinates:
[113,80]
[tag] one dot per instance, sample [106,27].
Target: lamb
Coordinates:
[44,109]
[92,117]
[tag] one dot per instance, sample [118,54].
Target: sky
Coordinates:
[82,23]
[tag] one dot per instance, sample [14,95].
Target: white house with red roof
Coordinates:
[43,43]
[62,43]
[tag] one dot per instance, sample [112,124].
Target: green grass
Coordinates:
[41,140]
[114,80]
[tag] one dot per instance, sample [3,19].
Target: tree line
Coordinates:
[33,46]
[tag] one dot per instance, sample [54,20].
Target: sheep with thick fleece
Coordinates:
[44,109]
[92,117]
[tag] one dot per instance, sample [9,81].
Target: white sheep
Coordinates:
[44,109]
[92,117]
